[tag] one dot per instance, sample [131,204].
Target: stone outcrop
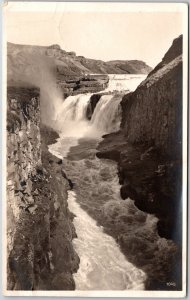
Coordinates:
[148,147]
[39,225]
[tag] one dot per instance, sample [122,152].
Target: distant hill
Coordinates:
[68,63]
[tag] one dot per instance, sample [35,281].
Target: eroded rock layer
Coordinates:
[73,85]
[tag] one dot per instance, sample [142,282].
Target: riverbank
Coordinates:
[65,260]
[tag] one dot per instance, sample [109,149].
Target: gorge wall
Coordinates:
[39,225]
[148,147]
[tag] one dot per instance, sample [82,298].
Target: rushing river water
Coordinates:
[102,265]
[95,198]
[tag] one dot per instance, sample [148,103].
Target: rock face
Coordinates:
[39,224]
[153,113]
[148,147]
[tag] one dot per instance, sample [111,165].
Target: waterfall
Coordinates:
[71,120]
[74,108]
[71,117]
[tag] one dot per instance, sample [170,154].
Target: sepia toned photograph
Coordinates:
[95,119]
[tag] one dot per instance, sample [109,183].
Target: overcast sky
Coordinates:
[102,35]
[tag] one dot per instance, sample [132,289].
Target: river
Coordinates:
[95,199]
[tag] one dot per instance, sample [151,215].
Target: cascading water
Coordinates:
[71,120]
[74,108]
[106,116]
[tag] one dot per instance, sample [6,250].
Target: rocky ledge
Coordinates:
[72,85]
[39,225]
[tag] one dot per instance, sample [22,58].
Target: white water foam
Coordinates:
[71,119]
[102,264]
[62,146]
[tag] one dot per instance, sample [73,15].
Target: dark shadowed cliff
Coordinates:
[148,147]
[39,224]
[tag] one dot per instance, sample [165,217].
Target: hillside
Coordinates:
[69,64]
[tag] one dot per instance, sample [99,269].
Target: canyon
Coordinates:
[43,183]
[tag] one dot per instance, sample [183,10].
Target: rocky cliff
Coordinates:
[151,129]
[148,147]
[39,224]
